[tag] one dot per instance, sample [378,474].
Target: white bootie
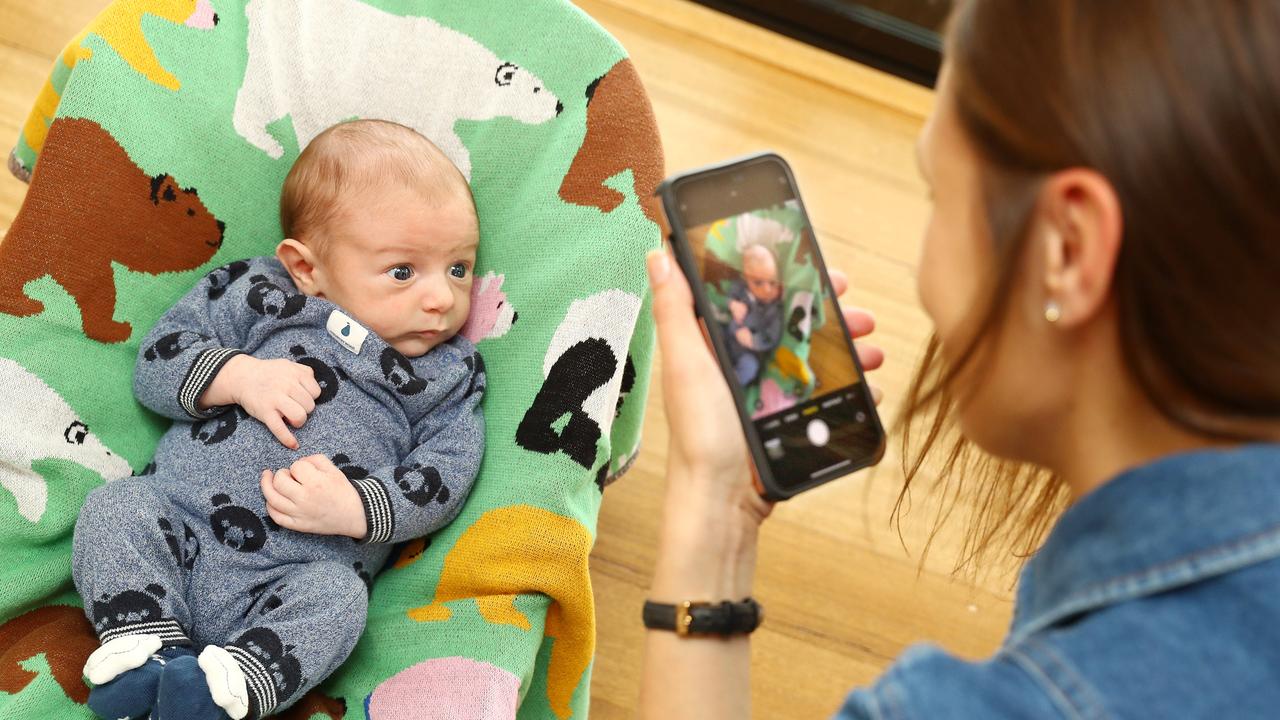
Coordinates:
[120,655]
[226,681]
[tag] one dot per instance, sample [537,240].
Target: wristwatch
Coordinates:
[704,618]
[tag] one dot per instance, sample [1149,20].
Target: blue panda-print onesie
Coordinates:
[187,551]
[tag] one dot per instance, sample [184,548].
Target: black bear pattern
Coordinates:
[265,596]
[130,607]
[172,345]
[267,298]
[265,645]
[397,370]
[576,374]
[236,527]
[185,549]
[326,377]
[221,279]
[219,427]
[421,484]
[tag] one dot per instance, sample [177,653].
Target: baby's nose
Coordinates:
[437,298]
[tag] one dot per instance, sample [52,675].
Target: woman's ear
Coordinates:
[1081,227]
[300,262]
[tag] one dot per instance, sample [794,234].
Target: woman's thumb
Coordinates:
[672,304]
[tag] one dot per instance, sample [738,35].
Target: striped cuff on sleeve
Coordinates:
[200,377]
[378,517]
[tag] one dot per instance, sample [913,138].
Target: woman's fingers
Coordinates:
[861,322]
[839,281]
[678,329]
[870,356]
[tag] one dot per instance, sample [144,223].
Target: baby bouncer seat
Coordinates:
[155,154]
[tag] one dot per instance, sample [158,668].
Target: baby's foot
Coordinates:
[184,693]
[132,694]
[226,681]
[119,655]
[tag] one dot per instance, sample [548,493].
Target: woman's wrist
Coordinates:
[707,549]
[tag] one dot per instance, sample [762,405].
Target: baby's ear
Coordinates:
[300,262]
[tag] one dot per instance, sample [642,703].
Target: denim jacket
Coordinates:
[1156,595]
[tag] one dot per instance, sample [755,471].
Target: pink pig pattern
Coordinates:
[491,315]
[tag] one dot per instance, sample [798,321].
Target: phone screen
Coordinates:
[768,298]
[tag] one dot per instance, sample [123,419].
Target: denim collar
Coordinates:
[1174,522]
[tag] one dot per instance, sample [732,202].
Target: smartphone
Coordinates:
[743,239]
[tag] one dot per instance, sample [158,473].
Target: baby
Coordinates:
[755,325]
[325,408]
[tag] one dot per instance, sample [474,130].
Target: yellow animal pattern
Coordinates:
[120,26]
[523,549]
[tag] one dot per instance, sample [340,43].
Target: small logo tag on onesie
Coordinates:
[346,331]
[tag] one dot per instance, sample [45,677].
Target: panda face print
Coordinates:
[220,279]
[186,548]
[352,471]
[421,484]
[172,345]
[278,659]
[326,377]
[130,607]
[364,575]
[267,298]
[399,373]
[236,527]
[265,598]
[218,428]
[474,363]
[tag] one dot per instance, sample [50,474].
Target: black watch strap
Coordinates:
[703,618]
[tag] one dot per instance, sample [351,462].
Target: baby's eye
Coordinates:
[458,270]
[401,272]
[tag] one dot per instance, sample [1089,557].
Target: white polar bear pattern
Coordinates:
[324,61]
[41,425]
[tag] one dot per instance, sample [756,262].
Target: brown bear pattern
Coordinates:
[89,205]
[621,134]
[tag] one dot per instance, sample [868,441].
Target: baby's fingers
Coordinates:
[292,411]
[274,498]
[275,423]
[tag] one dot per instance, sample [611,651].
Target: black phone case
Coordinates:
[688,264]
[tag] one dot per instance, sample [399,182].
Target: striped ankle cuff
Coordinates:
[263,698]
[167,629]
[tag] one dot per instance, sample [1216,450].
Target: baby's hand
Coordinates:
[313,496]
[273,391]
[744,337]
[738,309]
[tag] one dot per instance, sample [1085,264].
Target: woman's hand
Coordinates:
[707,441]
[712,514]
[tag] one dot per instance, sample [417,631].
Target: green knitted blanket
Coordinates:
[156,152]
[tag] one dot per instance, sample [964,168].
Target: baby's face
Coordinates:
[761,274]
[401,267]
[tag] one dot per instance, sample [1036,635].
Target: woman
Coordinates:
[1102,267]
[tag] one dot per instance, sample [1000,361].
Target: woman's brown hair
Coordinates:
[1177,104]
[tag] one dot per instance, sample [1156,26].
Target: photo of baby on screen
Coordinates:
[767,298]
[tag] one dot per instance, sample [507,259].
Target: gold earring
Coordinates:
[1052,311]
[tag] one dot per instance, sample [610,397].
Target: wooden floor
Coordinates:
[844,595]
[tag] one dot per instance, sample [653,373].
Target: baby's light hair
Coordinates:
[356,155]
